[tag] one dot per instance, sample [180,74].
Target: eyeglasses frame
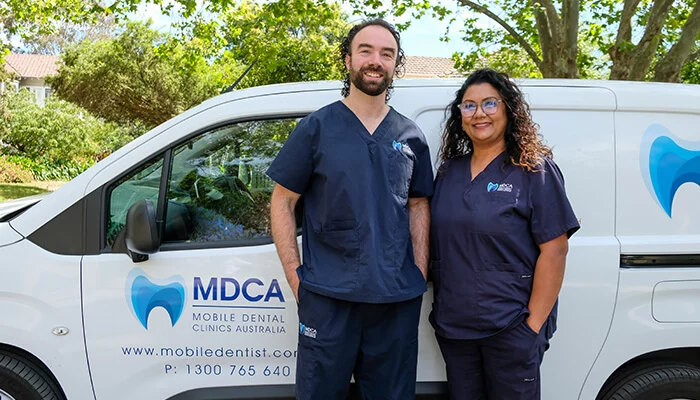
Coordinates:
[479,105]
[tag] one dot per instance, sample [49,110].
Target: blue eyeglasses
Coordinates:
[489,106]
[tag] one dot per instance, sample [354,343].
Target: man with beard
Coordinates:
[365,173]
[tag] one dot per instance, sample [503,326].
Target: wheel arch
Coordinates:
[35,361]
[685,355]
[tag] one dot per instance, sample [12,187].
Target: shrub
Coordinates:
[59,140]
[13,173]
[44,169]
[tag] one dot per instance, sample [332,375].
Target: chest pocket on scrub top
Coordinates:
[496,212]
[400,171]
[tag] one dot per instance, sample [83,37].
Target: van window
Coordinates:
[142,184]
[218,190]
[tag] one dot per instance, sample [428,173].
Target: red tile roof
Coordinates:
[430,67]
[32,65]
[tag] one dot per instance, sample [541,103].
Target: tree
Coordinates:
[66,34]
[148,76]
[667,33]
[685,48]
[551,31]
[31,18]
[288,40]
[142,75]
[55,141]
[547,35]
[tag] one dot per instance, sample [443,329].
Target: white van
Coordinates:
[153,275]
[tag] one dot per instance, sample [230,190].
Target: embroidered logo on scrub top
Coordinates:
[503,187]
[403,147]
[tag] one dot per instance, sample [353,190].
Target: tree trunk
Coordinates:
[668,69]
[559,61]
[631,62]
[558,36]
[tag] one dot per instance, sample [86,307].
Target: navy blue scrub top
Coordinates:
[484,239]
[356,239]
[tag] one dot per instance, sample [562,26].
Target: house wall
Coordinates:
[38,87]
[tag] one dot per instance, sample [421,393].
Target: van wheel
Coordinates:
[661,381]
[20,379]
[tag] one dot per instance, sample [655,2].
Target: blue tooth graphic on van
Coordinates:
[143,295]
[667,163]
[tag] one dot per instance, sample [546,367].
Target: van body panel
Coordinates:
[654,152]
[37,295]
[634,331]
[8,235]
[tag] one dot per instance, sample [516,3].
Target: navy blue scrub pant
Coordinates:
[505,366]
[375,343]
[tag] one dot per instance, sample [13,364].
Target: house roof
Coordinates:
[32,65]
[430,67]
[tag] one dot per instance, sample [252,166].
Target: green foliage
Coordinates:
[289,40]
[142,75]
[59,131]
[511,60]
[45,169]
[13,173]
[691,72]
[149,77]
[57,141]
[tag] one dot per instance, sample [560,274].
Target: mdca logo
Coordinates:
[668,162]
[144,293]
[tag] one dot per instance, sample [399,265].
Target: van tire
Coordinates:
[660,381]
[22,379]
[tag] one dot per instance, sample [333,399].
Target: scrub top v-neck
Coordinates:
[485,237]
[355,124]
[355,187]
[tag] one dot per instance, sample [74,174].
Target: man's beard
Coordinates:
[370,88]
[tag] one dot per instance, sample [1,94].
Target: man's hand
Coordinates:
[294,283]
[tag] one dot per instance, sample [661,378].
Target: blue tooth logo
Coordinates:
[667,163]
[397,145]
[492,187]
[144,293]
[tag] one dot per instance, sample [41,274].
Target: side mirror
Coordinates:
[141,231]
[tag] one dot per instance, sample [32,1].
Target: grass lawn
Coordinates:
[9,191]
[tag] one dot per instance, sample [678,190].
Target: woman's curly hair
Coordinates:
[345,49]
[524,143]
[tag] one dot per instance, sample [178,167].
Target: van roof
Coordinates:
[630,95]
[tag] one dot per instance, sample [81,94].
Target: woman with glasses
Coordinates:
[499,238]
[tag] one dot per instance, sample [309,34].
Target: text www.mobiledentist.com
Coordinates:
[207,352]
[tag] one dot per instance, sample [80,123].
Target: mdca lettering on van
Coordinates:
[229,289]
[668,162]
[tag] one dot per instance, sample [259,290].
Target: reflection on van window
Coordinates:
[218,189]
[144,184]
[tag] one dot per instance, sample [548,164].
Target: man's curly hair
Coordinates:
[524,143]
[346,49]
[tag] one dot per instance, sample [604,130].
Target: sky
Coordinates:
[422,38]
